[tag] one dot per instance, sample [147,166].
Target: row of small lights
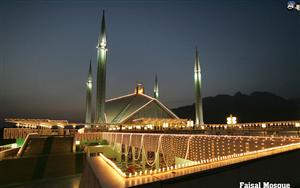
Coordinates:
[230,120]
[235,138]
[173,152]
[149,126]
[263,125]
[26,125]
[139,127]
[107,135]
[41,125]
[160,170]
[186,165]
[190,124]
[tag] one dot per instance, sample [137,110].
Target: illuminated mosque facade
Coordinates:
[134,107]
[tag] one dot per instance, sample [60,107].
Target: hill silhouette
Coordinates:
[256,107]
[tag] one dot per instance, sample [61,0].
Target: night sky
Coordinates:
[45,48]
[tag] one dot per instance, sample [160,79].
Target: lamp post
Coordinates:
[231,120]
[264,127]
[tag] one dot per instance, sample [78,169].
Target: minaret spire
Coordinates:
[89,85]
[101,73]
[90,77]
[156,91]
[197,82]
[102,35]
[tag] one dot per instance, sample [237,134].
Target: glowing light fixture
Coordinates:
[231,120]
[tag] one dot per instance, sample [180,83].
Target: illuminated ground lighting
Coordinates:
[173,124]
[203,151]
[184,124]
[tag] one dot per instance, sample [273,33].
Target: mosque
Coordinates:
[143,159]
[134,107]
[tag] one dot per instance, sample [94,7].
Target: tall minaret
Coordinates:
[89,85]
[156,91]
[197,80]
[101,74]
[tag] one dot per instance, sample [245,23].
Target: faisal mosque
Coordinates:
[133,107]
[136,141]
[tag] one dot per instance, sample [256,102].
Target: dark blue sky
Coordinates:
[45,47]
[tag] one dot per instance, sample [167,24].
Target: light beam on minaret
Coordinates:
[197,82]
[101,74]
[156,90]
[89,86]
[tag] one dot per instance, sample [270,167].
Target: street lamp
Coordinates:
[264,126]
[231,120]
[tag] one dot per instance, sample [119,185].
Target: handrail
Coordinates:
[21,150]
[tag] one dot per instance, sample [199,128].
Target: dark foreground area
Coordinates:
[60,182]
[39,160]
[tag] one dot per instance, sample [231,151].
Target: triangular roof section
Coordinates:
[120,109]
[163,106]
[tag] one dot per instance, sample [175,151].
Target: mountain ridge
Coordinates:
[255,107]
